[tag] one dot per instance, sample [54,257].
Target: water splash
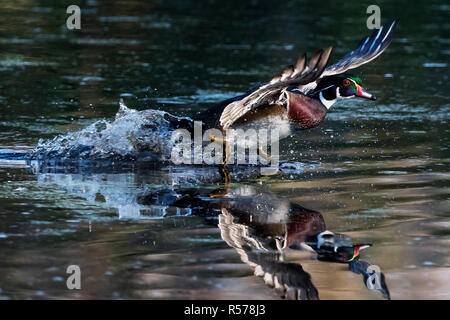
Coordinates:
[132,135]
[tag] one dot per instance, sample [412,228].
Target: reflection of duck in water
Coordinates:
[302,96]
[261,228]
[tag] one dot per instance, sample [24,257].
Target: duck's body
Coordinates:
[299,98]
[302,94]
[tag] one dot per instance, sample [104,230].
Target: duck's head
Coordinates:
[342,86]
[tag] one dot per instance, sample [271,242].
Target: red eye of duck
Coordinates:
[346,82]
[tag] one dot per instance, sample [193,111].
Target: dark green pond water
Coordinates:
[377,172]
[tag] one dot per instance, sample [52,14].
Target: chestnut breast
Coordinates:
[304,111]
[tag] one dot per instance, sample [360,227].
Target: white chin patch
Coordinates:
[325,102]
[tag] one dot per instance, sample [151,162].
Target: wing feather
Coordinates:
[368,49]
[300,65]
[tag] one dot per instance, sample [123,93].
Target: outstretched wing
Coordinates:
[368,49]
[301,74]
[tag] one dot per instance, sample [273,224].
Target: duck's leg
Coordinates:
[264,154]
[225,174]
[228,150]
[226,147]
[223,170]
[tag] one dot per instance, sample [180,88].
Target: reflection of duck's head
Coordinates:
[306,229]
[336,247]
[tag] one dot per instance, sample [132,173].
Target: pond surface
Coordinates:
[376,172]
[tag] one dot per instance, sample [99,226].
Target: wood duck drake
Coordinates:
[303,93]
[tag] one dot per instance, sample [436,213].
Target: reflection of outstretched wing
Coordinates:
[368,49]
[301,74]
[288,279]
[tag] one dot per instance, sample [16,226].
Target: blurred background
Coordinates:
[377,171]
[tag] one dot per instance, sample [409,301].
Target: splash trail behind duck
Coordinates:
[132,135]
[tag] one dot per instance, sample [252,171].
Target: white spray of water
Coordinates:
[132,133]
